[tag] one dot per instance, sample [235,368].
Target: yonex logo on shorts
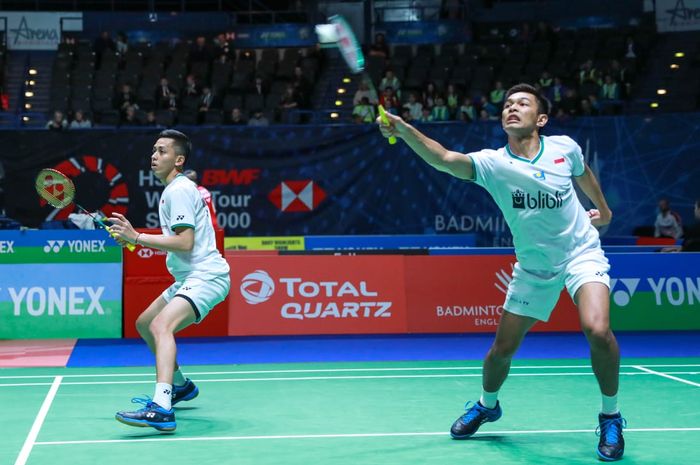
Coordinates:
[257,287]
[180,217]
[542,200]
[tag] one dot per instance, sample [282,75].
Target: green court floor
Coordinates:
[349,413]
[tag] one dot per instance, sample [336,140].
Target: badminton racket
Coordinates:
[59,191]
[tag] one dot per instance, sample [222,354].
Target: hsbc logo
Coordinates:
[297,196]
[257,287]
[53,246]
[145,253]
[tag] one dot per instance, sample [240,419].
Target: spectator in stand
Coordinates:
[258,119]
[610,89]
[122,44]
[556,92]
[485,116]
[235,118]
[440,112]
[489,107]
[302,85]
[630,48]
[426,116]
[103,44]
[570,102]
[58,122]
[258,87]
[125,98]
[587,72]
[414,107]
[390,108]
[390,80]
[543,32]
[379,48]
[621,74]
[429,94]
[364,90]
[388,94]
[691,241]
[545,81]
[206,103]
[164,94]
[406,114]
[497,95]
[130,117]
[586,108]
[80,121]
[151,119]
[668,223]
[364,112]
[191,87]
[288,103]
[200,51]
[452,99]
[467,111]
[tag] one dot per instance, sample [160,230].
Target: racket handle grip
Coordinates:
[130,247]
[385,120]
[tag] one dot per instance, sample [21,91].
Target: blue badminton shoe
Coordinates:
[151,414]
[476,415]
[611,445]
[187,391]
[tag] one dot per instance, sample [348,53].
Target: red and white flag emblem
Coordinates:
[297,196]
[559,160]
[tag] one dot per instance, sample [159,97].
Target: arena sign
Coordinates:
[38,31]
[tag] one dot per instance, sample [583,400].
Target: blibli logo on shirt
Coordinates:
[542,200]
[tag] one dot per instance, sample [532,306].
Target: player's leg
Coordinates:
[594,311]
[509,335]
[589,285]
[143,323]
[157,412]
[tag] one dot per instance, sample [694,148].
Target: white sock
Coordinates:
[163,395]
[178,378]
[609,405]
[489,399]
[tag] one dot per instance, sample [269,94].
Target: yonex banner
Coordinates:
[677,15]
[426,32]
[60,284]
[655,291]
[38,31]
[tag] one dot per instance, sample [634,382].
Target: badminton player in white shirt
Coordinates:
[556,245]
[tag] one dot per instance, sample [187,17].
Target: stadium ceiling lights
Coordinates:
[661,91]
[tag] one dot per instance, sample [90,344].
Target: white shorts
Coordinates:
[202,294]
[535,294]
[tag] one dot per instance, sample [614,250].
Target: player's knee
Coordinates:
[142,325]
[598,334]
[503,350]
[158,327]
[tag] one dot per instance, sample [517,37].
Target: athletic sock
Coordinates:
[609,405]
[163,395]
[178,378]
[489,399]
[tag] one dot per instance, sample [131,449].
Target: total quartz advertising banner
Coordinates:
[317,295]
[60,284]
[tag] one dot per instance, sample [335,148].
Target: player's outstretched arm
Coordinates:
[602,215]
[454,163]
[182,241]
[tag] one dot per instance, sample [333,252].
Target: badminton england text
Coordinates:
[38,301]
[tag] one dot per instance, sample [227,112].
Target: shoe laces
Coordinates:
[146,401]
[473,411]
[611,429]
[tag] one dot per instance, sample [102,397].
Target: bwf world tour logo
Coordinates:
[257,287]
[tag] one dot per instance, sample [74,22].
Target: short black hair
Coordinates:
[182,143]
[543,104]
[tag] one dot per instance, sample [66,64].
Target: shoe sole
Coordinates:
[189,396]
[170,426]
[454,436]
[603,458]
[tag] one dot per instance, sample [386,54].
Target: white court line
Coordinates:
[38,422]
[350,436]
[681,380]
[322,378]
[336,370]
